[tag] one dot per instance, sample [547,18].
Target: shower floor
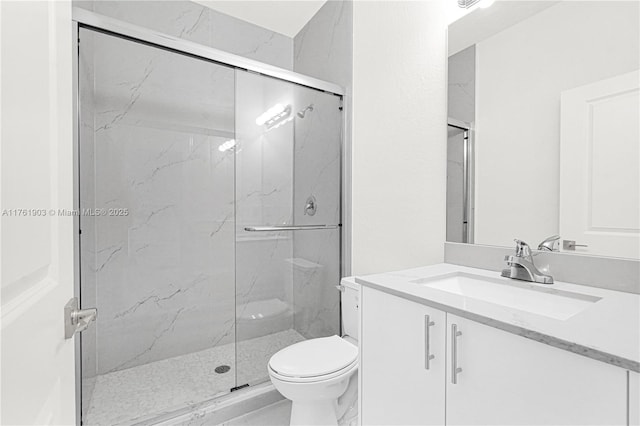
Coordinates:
[135,394]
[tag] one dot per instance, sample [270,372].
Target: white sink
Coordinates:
[533,298]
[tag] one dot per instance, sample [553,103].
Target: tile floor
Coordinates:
[138,393]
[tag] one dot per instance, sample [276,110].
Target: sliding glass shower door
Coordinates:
[188,172]
[157,254]
[288,153]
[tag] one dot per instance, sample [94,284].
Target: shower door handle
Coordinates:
[288,228]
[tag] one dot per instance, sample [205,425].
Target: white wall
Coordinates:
[399,134]
[520,74]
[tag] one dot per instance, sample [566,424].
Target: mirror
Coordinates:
[544,126]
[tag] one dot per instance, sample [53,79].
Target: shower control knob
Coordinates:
[310,206]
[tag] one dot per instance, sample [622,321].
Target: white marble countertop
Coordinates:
[608,331]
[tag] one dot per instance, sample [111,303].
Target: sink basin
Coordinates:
[545,301]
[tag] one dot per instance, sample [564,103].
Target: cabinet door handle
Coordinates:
[454,353]
[427,355]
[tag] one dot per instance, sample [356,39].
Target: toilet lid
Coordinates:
[314,357]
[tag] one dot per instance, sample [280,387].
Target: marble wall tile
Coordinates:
[182,19]
[197,23]
[461,91]
[245,39]
[323,49]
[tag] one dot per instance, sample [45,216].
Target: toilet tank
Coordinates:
[350,307]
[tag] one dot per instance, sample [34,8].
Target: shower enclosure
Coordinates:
[209,227]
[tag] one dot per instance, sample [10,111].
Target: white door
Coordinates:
[600,166]
[510,380]
[37,376]
[398,387]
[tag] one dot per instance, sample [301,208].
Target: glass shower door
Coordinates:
[288,161]
[157,253]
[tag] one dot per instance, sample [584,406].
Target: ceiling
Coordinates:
[479,24]
[282,16]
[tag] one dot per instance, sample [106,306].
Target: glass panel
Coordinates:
[159,263]
[288,154]
[317,174]
[455,184]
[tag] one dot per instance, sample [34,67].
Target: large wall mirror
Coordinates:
[544,126]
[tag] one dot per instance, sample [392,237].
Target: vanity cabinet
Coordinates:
[400,385]
[505,379]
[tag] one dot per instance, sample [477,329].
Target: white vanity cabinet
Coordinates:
[400,385]
[505,379]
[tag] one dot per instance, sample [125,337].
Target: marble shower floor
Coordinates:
[132,395]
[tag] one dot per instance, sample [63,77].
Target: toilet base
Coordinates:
[305,413]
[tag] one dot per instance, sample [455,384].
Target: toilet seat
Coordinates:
[315,379]
[314,360]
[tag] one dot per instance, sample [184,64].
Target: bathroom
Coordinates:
[304,212]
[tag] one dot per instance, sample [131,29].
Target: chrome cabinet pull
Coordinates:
[427,356]
[454,353]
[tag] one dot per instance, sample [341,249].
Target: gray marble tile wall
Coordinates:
[324,49]
[200,24]
[461,90]
[595,271]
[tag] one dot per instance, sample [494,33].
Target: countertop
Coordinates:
[608,331]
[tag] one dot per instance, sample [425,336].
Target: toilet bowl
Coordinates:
[315,373]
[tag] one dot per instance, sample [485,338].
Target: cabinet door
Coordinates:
[509,380]
[397,388]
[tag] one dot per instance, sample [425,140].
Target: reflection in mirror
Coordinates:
[547,94]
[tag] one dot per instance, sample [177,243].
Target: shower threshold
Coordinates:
[140,393]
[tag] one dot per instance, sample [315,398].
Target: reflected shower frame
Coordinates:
[86,19]
[468,177]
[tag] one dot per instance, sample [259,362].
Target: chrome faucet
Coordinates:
[521,266]
[549,244]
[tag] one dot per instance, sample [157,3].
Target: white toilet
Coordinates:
[315,373]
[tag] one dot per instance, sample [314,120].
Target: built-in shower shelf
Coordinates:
[304,264]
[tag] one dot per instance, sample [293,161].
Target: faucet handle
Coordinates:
[549,243]
[522,248]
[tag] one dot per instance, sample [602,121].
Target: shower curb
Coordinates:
[221,409]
